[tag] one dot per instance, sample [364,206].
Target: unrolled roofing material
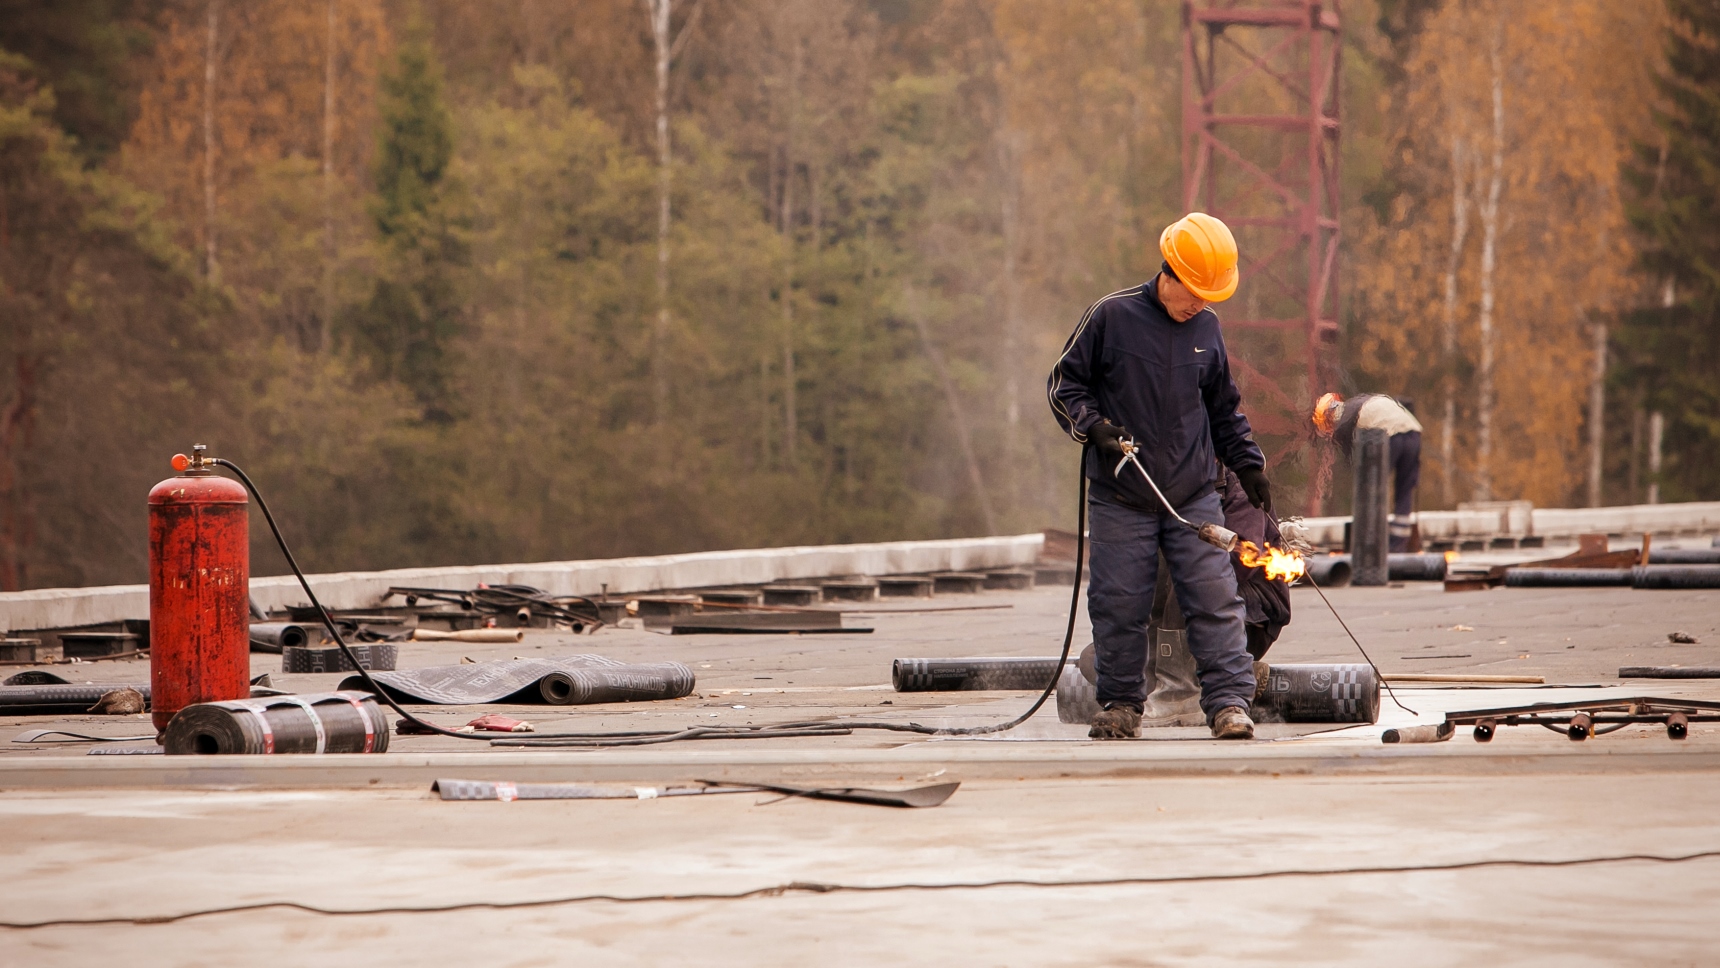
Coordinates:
[566,681]
[58,699]
[328,722]
[374,656]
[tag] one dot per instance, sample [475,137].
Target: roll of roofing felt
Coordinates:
[1684,556]
[375,656]
[1342,692]
[272,636]
[1676,576]
[58,700]
[1330,571]
[959,675]
[327,722]
[1404,567]
[635,682]
[1566,577]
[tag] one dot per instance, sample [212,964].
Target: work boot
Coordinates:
[1116,721]
[1262,673]
[1173,697]
[1231,723]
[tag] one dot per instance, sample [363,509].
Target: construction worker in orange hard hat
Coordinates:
[1147,365]
[1340,419]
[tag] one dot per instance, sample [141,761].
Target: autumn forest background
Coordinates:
[515,280]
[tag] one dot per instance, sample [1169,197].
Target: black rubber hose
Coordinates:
[785,730]
[327,620]
[810,728]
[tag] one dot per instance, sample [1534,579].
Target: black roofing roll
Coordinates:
[1418,567]
[1685,556]
[324,722]
[272,636]
[1675,576]
[1566,577]
[960,675]
[634,682]
[1669,672]
[58,700]
[1345,692]
[1330,571]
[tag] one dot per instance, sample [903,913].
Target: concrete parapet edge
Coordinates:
[974,761]
[70,607]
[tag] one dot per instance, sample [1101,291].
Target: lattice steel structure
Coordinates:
[1260,138]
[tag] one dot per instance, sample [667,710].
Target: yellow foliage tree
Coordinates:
[1504,243]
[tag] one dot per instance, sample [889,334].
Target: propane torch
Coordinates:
[1213,534]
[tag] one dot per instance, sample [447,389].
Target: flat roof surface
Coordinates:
[1321,849]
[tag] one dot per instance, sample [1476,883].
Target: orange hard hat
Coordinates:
[1202,253]
[1326,413]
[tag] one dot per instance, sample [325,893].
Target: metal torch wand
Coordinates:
[1210,533]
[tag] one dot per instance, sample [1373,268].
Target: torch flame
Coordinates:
[1279,564]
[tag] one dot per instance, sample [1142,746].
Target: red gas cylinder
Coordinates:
[199,589]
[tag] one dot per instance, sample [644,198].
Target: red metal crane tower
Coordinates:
[1260,151]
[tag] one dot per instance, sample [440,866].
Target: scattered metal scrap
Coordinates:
[926,796]
[518,604]
[1581,720]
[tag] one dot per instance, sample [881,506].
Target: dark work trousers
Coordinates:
[1124,559]
[1405,454]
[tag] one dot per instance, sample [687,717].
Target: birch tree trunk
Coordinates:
[324,334]
[211,51]
[659,11]
[1453,262]
[1597,413]
[1485,390]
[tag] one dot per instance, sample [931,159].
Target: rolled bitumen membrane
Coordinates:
[1567,577]
[1330,571]
[962,675]
[568,681]
[1676,576]
[1684,556]
[328,722]
[1669,672]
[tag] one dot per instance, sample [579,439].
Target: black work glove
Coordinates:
[1257,487]
[1108,437]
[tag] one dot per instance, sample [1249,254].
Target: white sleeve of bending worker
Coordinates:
[1383,413]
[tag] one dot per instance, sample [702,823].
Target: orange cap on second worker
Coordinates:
[1202,253]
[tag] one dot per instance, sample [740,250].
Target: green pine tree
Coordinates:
[416,308]
[1672,353]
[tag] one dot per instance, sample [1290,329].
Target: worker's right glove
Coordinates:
[1108,437]
[1257,487]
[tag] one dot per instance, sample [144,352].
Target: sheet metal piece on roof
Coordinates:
[566,681]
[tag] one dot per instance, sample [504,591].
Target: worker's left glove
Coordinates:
[1257,487]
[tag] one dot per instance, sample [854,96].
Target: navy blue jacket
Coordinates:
[1167,383]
